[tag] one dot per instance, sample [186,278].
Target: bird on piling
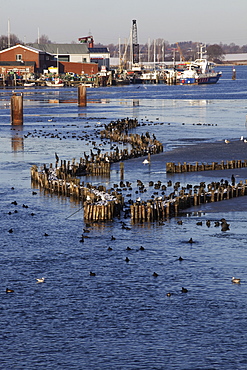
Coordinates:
[235,280]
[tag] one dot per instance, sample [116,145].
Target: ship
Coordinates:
[198,72]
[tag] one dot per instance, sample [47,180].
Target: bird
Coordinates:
[168,294]
[146,161]
[235,280]
[40,280]
[184,290]
[9,290]
[155,274]
[10,231]
[227,141]
[113,238]
[92,273]
[191,241]
[180,258]
[127,259]
[142,248]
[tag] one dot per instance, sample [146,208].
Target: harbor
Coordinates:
[125,272]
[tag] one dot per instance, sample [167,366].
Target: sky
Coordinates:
[64,21]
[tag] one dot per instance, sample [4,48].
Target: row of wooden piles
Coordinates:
[99,164]
[189,167]
[172,206]
[144,144]
[94,208]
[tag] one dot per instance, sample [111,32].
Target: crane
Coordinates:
[180,52]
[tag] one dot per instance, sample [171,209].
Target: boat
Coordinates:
[29,84]
[55,83]
[197,72]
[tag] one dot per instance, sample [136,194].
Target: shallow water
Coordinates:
[121,318]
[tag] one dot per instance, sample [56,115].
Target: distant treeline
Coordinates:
[162,49]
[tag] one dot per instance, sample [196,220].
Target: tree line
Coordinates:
[159,49]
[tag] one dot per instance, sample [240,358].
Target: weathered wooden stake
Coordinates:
[17,109]
[82,96]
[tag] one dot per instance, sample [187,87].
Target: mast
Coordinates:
[8,33]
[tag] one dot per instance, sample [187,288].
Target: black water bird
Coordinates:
[155,274]
[9,290]
[184,290]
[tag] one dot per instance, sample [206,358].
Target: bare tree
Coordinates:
[43,39]
[4,41]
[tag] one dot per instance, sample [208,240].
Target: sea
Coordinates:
[119,316]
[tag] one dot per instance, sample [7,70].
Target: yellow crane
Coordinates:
[180,52]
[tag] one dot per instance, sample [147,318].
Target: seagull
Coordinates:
[146,161]
[227,141]
[235,280]
[41,280]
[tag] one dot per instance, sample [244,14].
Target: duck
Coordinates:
[155,274]
[9,290]
[191,241]
[184,290]
[40,280]
[92,273]
[235,280]
[168,294]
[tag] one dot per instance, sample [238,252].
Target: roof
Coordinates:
[62,48]
[99,50]
[35,50]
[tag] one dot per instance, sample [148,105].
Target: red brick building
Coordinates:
[28,59]
[24,59]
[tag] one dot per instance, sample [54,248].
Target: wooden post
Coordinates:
[121,170]
[17,109]
[82,96]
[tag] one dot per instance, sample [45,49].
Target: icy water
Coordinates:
[121,318]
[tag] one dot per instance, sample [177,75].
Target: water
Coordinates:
[121,318]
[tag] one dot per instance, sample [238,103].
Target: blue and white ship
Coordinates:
[198,72]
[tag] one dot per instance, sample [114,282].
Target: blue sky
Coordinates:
[209,21]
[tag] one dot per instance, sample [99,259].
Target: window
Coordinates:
[18,57]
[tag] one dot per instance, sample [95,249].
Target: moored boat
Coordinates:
[200,71]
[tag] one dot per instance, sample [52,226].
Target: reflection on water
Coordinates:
[17,141]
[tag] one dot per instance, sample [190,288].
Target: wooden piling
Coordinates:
[17,109]
[82,96]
